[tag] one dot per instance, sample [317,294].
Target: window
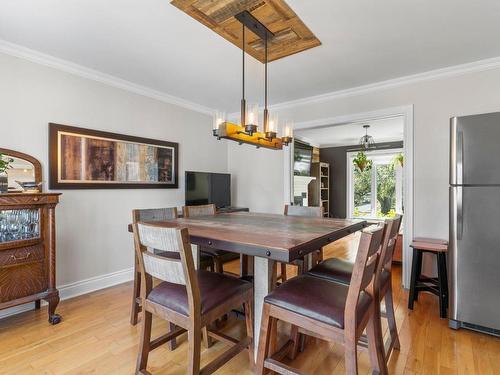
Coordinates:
[377,191]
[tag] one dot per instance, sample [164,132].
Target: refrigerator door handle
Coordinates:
[460,212]
[460,158]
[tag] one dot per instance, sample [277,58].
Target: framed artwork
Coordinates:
[90,159]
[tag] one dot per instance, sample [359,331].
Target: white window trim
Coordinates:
[373,199]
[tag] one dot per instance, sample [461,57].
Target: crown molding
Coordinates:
[456,70]
[452,71]
[16,50]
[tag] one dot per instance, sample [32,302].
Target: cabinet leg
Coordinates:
[37,304]
[53,317]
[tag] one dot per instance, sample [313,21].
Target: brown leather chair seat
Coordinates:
[340,271]
[317,298]
[215,289]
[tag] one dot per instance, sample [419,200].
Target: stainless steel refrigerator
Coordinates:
[474,254]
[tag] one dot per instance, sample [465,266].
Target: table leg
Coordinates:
[263,271]
[246,265]
[308,262]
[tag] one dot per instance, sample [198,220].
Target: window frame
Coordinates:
[373,199]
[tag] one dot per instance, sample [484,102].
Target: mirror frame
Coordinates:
[36,164]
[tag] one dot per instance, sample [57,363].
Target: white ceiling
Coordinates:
[152,43]
[382,130]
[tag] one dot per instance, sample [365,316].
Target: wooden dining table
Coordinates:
[267,238]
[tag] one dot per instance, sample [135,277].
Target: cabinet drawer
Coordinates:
[22,255]
[26,199]
[22,280]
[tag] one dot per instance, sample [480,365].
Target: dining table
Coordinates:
[265,238]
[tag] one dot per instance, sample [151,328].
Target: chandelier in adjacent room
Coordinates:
[367,141]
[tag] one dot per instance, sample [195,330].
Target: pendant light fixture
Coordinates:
[248,130]
[367,141]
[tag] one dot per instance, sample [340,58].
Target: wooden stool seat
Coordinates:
[430,240]
[435,285]
[435,247]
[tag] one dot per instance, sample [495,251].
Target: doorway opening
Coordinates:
[329,165]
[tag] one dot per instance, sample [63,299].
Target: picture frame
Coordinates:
[81,158]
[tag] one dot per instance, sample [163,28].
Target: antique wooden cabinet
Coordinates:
[27,239]
[27,250]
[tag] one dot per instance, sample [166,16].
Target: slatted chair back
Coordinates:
[203,210]
[154,214]
[304,211]
[388,250]
[364,267]
[173,270]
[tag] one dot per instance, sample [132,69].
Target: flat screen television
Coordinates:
[302,158]
[208,188]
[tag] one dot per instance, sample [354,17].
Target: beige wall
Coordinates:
[91,224]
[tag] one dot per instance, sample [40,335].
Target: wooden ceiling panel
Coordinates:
[291,34]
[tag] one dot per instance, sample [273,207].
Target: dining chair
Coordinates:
[220,257]
[151,215]
[189,298]
[304,211]
[341,271]
[328,310]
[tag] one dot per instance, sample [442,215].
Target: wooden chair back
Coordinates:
[304,211]
[154,214]
[390,243]
[173,270]
[364,267]
[203,210]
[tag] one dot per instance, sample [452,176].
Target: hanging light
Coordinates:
[248,129]
[218,119]
[367,141]
[287,133]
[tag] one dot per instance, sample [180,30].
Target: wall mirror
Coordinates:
[25,173]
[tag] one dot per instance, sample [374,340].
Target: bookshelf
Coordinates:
[319,189]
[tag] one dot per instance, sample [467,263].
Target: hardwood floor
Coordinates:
[95,337]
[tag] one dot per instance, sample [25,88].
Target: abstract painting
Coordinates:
[84,158]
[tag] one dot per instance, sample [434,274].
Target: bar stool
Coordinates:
[436,285]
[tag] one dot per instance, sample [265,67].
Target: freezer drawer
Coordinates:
[474,150]
[474,256]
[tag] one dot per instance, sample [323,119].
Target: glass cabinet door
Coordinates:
[18,225]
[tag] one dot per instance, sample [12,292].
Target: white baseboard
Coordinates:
[78,288]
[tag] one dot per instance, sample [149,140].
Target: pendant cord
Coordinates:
[265,74]
[243,58]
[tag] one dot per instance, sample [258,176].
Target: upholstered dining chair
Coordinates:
[151,215]
[341,271]
[303,211]
[189,298]
[328,310]
[220,257]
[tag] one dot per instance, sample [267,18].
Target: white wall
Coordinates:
[257,178]
[92,238]
[435,101]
